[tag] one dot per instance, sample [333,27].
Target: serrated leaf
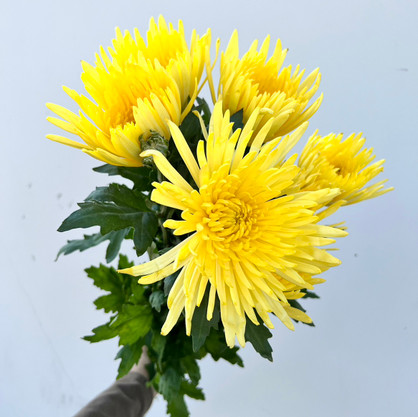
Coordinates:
[110,302]
[200,325]
[114,208]
[129,355]
[142,177]
[231,356]
[157,299]
[103,332]
[192,390]
[257,336]
[169,384]
[177,407]
[82,244]
[203,108]
[115,243]
[191,367]
[124,262]
[216,345]
[105,278]
[115,240]
[137,292]
[132,323]
[119,194]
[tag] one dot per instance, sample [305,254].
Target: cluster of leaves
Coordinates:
[120,211]
[138,312]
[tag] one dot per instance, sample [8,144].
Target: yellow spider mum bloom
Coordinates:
[256,81]
[135,88]
[253,245]
[331,161]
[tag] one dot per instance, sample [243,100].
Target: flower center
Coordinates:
[120,116]
[229,215]
[341,164]
[229,219]
[264,74]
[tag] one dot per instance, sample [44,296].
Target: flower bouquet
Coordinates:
[233,223]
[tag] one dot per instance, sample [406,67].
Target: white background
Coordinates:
[360,360]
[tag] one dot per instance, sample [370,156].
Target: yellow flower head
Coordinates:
[135,88]
[254,246]
[330,161]
[256,81]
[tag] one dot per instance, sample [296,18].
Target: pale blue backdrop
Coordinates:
[361,359]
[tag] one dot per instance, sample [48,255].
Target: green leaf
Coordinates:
[216,345]
[105,278]
[110,302]
[231,356]
[191,128]
[103,332]
[192,391]
[257,336]
[124,262]
[169,384]
[310,294]
[191,367]
[108,216]
[157,299]
[177,407]
[132,323]
[120,195]
[200,325]
[115,240]
[142,177]
[115,243]
[114,208]
[129,355]
[82,244]
[296,304]
[237,119]
[137,293]
[145,229]
[203,108]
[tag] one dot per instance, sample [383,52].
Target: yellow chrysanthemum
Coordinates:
[256,81]
[330,161]
[136,88]
[255,246]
